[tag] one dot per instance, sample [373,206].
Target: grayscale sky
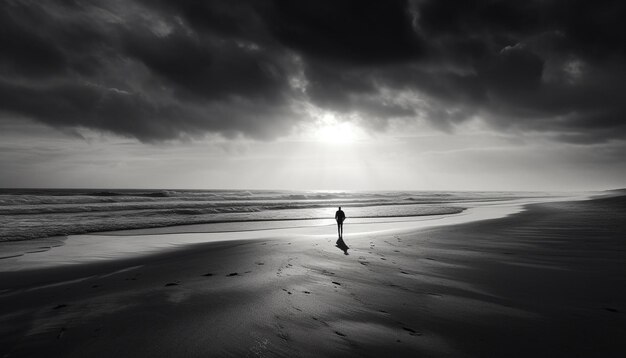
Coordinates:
[283,94]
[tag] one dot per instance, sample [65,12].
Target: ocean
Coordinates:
[40,213]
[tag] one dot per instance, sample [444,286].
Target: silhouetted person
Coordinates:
[340,216]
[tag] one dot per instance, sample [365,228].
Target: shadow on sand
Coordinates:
[342,246]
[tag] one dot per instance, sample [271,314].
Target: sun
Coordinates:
[327,127]
[337,133]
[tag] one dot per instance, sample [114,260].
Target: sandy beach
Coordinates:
[546,282]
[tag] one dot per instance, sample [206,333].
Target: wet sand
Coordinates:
[550,281]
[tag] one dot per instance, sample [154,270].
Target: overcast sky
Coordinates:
[324,94]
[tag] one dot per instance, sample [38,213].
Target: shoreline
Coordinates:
[122,244]
[47,215]
[110,246]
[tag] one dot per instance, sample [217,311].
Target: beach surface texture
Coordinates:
[548,281]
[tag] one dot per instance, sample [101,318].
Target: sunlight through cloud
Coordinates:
[337,133]
[329,128]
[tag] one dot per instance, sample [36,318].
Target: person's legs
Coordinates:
[341,229]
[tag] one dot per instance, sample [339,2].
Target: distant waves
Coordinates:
[38,213]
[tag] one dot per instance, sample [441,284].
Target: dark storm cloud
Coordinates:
[357,32]
[159,70]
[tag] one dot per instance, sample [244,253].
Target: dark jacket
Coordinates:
[340,216]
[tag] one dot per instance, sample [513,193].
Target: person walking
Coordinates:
[340,216]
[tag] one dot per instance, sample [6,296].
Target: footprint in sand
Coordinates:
[320,321]
[208,274]
[287,291]
[412,331]
[172,284]
[307,292]
[232,274]
[611,309]
[60,306]
[340,334]
[280,328]
[282,335]
[336,283]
